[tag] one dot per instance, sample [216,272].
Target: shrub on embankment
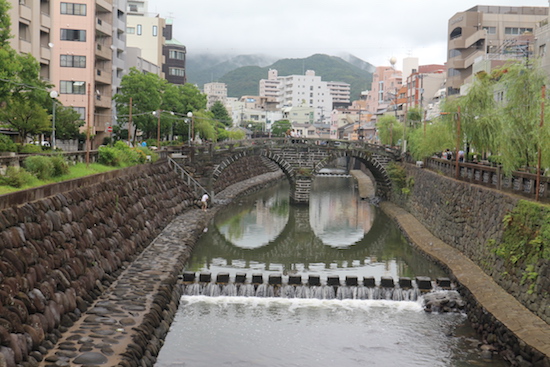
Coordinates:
[507,237]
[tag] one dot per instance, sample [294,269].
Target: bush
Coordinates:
[30,149]
[60,165]
[15,177]
[109,156]
[40,166]
[6,144]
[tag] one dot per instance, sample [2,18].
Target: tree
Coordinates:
[26,117]
[220,113]
[280,127]
[520,136]
[67,123]
[389,130]
[414,116]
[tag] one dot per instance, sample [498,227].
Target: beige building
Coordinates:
[486,30]
[31,24]
[146,32]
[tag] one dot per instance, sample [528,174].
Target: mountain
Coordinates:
[245,80]
[206,68]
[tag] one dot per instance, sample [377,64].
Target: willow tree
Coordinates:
[437,136]
[520,135]
[389,130]
[479,117]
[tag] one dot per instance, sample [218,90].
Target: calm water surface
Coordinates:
[337,235]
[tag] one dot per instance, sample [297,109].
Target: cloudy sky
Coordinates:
[372,30]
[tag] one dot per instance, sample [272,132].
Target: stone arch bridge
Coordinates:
[299,159]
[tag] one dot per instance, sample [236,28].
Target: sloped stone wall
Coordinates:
[467,216]
[58,253]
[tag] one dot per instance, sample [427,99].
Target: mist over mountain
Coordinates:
[243,73]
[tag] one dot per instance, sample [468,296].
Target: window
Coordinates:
[179,55]
[139,29]
[73,9]
[131,30]
[24,31]
[73,35]
[542,50]
[517,30]
[176,72]
[133,7]
[71,87]
[81,111]
[491,30]
[454,53]
[155,30]
[72,61]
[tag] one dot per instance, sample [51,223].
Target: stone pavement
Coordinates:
[364,182]
[526,326]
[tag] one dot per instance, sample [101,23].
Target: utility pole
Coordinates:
[130,122]
[537,186]
[457,142]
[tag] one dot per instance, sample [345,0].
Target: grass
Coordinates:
[75,171]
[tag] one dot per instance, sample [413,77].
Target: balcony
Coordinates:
[465,42]
[103,76]
[45,53]
[103,27]
[104,5]
[25,12]
[45,21]
[25,46]
[103,52]
[102,101]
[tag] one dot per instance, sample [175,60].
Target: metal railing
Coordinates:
[189,180]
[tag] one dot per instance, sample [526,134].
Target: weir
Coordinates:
[293,286]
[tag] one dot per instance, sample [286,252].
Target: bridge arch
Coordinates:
[301,161]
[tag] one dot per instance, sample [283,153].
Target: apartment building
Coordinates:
[174,53]
[146,32]
[386,82]
[422,85]
[304,91]
[31,24]
[486,30]
[82,61]
[215,92]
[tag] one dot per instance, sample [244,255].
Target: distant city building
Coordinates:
[305,91]
[486,31]
[215,92]
[134,60]
[542,44]
[386,83]
[147,33]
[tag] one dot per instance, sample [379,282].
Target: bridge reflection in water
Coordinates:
[338,235]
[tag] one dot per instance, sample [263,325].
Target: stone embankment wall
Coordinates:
[466,217]
[60,252]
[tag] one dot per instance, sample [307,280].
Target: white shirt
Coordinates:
[204,198]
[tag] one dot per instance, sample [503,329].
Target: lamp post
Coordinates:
[158,128]
[53,95]
[192,136]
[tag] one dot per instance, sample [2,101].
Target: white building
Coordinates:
[305,91]
[215,92]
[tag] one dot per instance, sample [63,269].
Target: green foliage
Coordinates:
[30,149]
[220,113]
[435,137]
[399,178]
[6,144]
[67,123]
[389,130]
[40,166]
[26,117]
[60,165]
[526,238]
[15,177]
[305,172]
[108,156]
[414,116]
[280,127]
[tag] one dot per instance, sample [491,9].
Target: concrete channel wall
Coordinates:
[82,280]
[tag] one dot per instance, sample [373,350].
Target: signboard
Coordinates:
[109,129]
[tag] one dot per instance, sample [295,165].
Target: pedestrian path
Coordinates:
[365,184]
[528,327]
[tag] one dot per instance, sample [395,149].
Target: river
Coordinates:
[337,235]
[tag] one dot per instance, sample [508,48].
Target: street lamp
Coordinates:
[192,136]
[53,95]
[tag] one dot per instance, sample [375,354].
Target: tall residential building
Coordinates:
[31,24]
[422,85]
[542,45]
[174,52]
[303,91]
[82,55]
[215,92]
[119,43]
[484,30]
[386,83]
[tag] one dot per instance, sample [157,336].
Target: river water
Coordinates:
[338,234]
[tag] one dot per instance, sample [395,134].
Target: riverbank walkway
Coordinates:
[528,327]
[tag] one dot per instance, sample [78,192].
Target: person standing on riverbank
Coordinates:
[204,201]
